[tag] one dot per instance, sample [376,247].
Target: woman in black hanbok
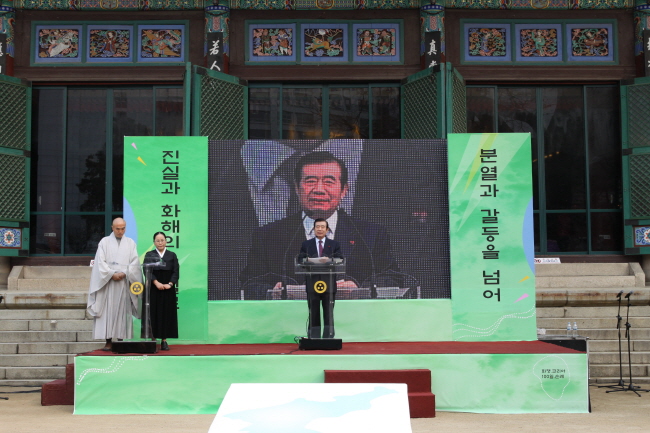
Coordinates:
[163,302]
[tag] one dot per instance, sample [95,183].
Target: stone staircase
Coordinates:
[36,344]
[47,287]
[585,293]
[43,323]
[599,325]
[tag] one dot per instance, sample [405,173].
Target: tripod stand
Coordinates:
[619,319]
[621,385]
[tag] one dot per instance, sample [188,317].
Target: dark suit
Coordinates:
[365,245]
[331,249]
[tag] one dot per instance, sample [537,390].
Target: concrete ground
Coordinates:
[613,412]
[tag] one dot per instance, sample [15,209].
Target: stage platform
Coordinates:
[487,377]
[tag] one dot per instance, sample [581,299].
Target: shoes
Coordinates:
[107,349]
[164,346]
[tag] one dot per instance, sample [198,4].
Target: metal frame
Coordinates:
[541,212]
[326,100]
[628,221]
[441,124]
[23,225]
[197,96]
[108,213]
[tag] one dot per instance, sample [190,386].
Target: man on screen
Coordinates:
[321,182]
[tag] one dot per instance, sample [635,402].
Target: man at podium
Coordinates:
[320,288]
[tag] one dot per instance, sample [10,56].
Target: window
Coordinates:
[576,158]
[294,112]
[76,188]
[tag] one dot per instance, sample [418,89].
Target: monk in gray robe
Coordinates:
[110,300]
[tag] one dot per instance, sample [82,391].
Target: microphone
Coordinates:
[284,259]
[628,295]
[619,295]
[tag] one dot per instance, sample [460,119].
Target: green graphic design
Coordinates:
[491,237]
[489,383]
[369,320]
[166,189]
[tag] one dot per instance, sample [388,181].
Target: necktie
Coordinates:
[320,248]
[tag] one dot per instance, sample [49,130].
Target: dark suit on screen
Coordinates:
[365,245]
[331,248]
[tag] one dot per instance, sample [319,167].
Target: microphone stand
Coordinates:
[630,387]
[621,383]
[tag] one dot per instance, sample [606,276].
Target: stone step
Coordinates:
[24,382]
[613,370]
[60,325]
[85,336]
[29,299]
[40,314]
[46,325]
[596,312]
[30,373]
[605,334]
[54,347]
[52,285]
[638,344]
[571,269]
[48,360]
[602,381]
[588,297]
[612,357]
[50,278]
[55,272]
[44,336]
[49,347]
[591,323]
[8,348]
[591,282]
[14,325]
[612,345]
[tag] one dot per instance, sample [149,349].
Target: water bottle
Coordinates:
[568,329]
[575,329]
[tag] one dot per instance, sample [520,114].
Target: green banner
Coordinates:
[166,189]
[366,320]
[491,237]
[479,382]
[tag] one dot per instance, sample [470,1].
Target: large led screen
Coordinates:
[385,202]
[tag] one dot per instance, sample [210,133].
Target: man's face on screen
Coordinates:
[320,190]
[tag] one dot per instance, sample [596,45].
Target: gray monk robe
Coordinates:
[110,302]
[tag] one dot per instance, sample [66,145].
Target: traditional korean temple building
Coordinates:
[79,75]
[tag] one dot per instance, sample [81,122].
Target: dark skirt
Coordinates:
[164,313]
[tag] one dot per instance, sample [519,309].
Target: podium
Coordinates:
[146,343]
[320,275]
